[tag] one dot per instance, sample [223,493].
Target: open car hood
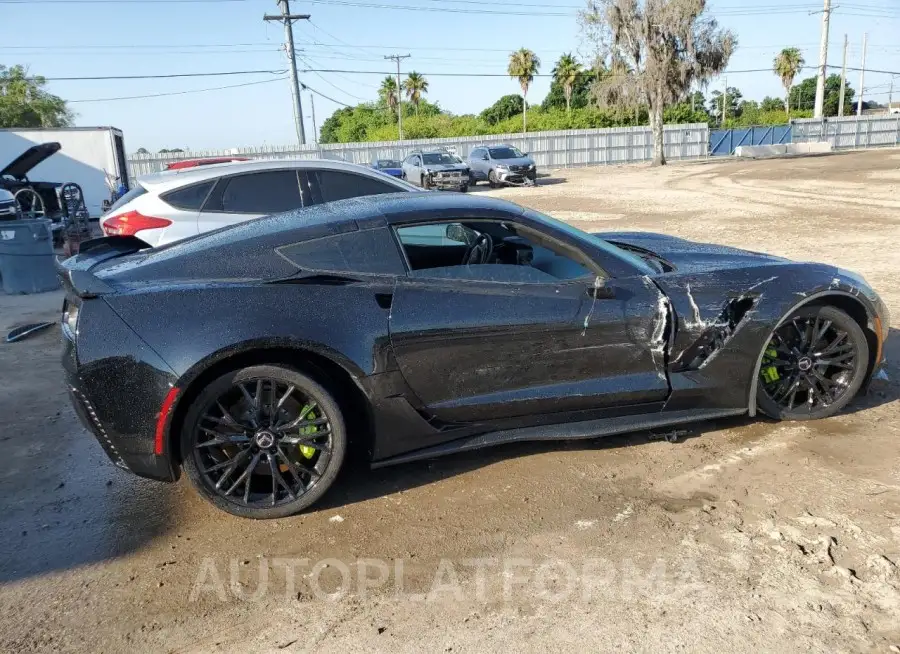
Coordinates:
[19,167]
[688,256]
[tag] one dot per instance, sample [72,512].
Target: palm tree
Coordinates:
[523,66]
[787,66]
[566,74]
[388,93]
[415,85]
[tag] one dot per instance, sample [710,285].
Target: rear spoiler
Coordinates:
[75,271]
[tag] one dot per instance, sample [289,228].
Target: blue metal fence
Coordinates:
[722,142]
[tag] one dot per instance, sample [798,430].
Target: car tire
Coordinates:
[492,180]
[307,391]
[853,351]
[423,182]
[464,188]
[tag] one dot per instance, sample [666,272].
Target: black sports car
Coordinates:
[413,325]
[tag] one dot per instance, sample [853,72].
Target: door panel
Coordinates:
[475,351]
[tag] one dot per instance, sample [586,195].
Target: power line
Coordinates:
[112,2]
[160,95]
[309,88]
[165,76]
[331,84]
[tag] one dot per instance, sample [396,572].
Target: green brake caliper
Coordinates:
[768,371]
[308,451]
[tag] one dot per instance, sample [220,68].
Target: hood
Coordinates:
[443,167]
[19,167]
[518,161]
[688,256]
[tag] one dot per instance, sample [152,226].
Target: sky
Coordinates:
[93,38]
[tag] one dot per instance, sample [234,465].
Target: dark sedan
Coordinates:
[408,326]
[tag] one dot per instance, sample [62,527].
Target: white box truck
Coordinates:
[88,156]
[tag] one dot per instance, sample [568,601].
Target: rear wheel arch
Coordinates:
[848,303]
[333,376]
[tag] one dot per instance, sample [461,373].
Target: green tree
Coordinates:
[142,151]
[728,103]
[25,103]
[566,73]
[387,94]
[506,107]
[669,47]
[787,66]
[771,104]
[523,66]
[415,85]
[803,95]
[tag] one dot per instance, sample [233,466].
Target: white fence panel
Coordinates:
[555,149]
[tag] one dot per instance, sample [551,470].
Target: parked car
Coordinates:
[172,205]
[392,167]
[40,199]
[436,169]
[501,164]
[412,325]
[193,163]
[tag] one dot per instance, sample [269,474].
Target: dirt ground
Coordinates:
[746,535]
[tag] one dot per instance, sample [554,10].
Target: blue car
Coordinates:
[390,167]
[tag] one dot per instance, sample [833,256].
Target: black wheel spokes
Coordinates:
[263,442]
[811,357]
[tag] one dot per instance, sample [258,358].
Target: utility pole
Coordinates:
[843,79]
[398,59]
[823,62]
[862,76]
[725,102]
[287,18]
[312,105]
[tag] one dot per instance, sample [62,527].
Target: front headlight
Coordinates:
[502,167]
[531,166]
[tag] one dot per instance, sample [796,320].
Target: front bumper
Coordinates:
[445,181]
[517,176]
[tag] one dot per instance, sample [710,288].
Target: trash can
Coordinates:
[26,256]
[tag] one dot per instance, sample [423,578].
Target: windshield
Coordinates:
[387,163]
[436,158]
[606,246]
[506,153]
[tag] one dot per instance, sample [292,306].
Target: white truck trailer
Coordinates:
[92,157]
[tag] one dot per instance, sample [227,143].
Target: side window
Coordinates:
[370,251]
[263,193]
[489,251]
[336,185]
[189,198]
[477,153]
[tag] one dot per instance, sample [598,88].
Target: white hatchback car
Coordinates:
[172,205]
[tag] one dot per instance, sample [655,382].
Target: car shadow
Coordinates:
[358,483]
[885,388]
[542,180]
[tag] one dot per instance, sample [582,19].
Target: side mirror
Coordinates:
[600,291]
[458,233]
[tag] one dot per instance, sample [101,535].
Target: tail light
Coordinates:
[131,222]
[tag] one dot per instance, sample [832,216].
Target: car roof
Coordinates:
[170,179]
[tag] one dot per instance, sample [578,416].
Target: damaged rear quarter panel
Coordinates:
[724,318]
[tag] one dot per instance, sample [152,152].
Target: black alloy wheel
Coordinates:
[813,365]
[263,442]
